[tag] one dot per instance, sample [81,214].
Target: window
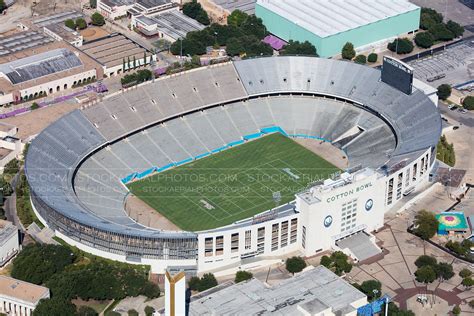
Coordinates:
[208,246]
[414,174]
[261,240]
[390,191]
[275,233]
[248,239]
[234,242]
[303,238]
[293,230]
[284,234]
[219,245]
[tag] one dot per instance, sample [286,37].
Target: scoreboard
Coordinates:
[397,74]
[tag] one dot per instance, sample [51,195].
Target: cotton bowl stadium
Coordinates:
[241,162]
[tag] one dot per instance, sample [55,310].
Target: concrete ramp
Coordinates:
[360,245]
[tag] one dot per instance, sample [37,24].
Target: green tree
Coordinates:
[424,39]
[298,48]
[193,283]
[467,282]
[249,46]
[34,106]
[70,24]
[425,274]
[372,58]
[444,271]
[149,310]
[295,264]
[208,280]
[12,167]
[468,103]
[401,46]
[456,247]
[54,307]
[441,32]
[97,19]
[393,310]
[195,11]
[456,310]
[455,28]
[444,91]
[93,3]
[253,25]
[360,59]
[132,312]
[348,51]
[242,276]
[81,23]
[371,288]
[425,260]
[86,311]
[326,261]
[465,273]
[3,6]
[471,303]
[236,18]
[426,224]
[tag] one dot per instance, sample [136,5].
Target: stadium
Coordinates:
[235,119]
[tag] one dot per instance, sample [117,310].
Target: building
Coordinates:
[9,242]
[61,32]
[388,138]
[43,70]
[328,25]
[20,298]
[116,51]
[317,291]
[15,43]
[451,223]
[175,294]
[113,9]
[10,146]
[170,25]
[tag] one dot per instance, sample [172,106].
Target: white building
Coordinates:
[10,146]
[20,298]
[175,294]
[9,242]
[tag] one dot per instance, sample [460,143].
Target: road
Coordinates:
[463,118]
[10,205]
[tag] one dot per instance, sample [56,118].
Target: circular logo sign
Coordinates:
[369,204]
[328,221]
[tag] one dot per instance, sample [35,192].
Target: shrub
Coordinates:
[34,106]
[444,91]
[468,103]
[242,276]
[426,224]
[372,58]
[360,59]
[195,11]
[429,17]
[97,19]
[132,312]
[207,281]
[464,273]
[401,46]
[81,23]
[149,310]
[445,152]
[424,39]
[295,264]
[425,274]
[371,288]
[455,28]
[70,24]
[299,48]
[348,51]
[456,310]
[441,32]
[425,260]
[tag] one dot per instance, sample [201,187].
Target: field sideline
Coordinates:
[232,185]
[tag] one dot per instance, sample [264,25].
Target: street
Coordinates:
[463,118]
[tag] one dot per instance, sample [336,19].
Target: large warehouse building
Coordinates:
[328,25]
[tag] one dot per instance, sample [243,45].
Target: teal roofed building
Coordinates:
[328,25]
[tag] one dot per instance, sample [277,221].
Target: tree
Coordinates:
[242,276]
[132,312]
[426,224]
[295,264]
[253,25]
[208,280]
[81,23]
[149,310]
[444,91]
[444,271]
[393,310]
[465,273]
[456,310]
[93,3]
[372,58]
[425,260]
[455,28]
[12,167]
[471,303]
[195,11]
[467,282]
[424,39]
[54,307]
[401,46]
[236,18]
[97,19]
[371,288]
[468,103]
[348,51]
[193,283]
[247,45]
[70,24]
[3,6]
[441,32]
[456,247]
[338,262]
[360,59]
[326,261]
[86,311]
[425,274]
[298,48]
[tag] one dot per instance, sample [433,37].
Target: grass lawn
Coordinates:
[234,184]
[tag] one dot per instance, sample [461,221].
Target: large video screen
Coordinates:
[397,74]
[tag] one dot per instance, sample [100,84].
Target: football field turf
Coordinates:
[234,184]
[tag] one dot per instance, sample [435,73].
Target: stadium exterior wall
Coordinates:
[332,45]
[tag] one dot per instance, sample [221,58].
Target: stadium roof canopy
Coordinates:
[40,65]
[325,18]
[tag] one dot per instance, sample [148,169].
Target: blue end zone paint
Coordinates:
[263,132]
[235,143]
[202,156]
[182,162]
[253,136]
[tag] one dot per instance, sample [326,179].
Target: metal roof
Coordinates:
[325,18]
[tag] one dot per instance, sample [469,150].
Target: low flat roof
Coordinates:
[6,230]
[22,290]
[22,41]
[176,25]
[325,18]
[314,291]
[247,6]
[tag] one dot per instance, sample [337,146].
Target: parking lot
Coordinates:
[455,64]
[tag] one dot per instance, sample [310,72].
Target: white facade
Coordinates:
[20,298]
[9,242]
[175,294]
[114,9]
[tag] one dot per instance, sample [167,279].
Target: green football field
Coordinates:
[234,184]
